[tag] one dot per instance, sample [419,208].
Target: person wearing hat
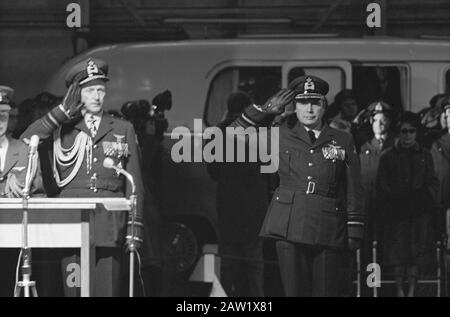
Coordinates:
[316,213]
[379,116]
[440,150]
[13,155]
[406,188]
[241,202]
[83,136]
[13,168]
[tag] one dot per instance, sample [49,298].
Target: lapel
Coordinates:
[81,126]
[12,156]
[106,125]
[301,133]
[326,136]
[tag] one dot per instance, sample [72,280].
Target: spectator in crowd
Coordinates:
[242,201]
[431,119]
[380,119]
[347,109]
[150,124]
[440,151]
[407,187]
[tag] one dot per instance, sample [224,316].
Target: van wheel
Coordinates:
[180,248]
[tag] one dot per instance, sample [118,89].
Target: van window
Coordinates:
[388,83]
[447,81]
[259,82]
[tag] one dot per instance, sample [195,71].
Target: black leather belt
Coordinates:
[312,188]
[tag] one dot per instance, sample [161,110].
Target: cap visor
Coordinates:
[309,96]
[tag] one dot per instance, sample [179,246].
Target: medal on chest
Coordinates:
[117,150]
[333,152]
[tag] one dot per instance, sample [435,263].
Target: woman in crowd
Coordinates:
[407,187]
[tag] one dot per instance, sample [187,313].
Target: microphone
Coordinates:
[31,167]
[109,163]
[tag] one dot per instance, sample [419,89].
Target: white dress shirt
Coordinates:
[4,144]
[97,117]
[315,131]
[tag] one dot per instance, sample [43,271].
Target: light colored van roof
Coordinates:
[141,70]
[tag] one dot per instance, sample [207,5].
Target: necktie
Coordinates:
[312,136]
[92,126]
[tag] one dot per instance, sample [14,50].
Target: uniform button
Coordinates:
[310,164]
[287,152]
[311,151]
[95,146]
[309,178]
[95,160]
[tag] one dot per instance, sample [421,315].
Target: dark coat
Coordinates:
[241,198]
[110,228]
[333,211]
[370,157]
[407,186]
[440,151]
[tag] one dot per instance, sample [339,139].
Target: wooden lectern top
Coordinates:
[110,203]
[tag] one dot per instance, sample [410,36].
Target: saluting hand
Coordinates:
[72,100]
[279,101]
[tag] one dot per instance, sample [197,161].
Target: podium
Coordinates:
[58,223]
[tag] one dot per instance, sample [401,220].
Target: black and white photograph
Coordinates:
[243,150]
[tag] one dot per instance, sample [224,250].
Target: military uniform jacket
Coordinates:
[370,157]
[441,158]
[97,181]
[319,200]
[13,174]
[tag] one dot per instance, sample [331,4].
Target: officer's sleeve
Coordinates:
[245,128]
[252,116]
[134,168]
[431,179]
[45,126]
[355,221]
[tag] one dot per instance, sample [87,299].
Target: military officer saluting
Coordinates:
[13,155]
[83,136]
[316,212]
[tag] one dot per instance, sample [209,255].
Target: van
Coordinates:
[202,73]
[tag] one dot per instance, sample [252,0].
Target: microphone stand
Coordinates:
[132,245]
[108,163]
[26,283]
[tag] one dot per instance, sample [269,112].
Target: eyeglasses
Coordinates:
[410,131]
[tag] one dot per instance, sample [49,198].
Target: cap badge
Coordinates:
[91,68]
[378,107]
[309,85]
